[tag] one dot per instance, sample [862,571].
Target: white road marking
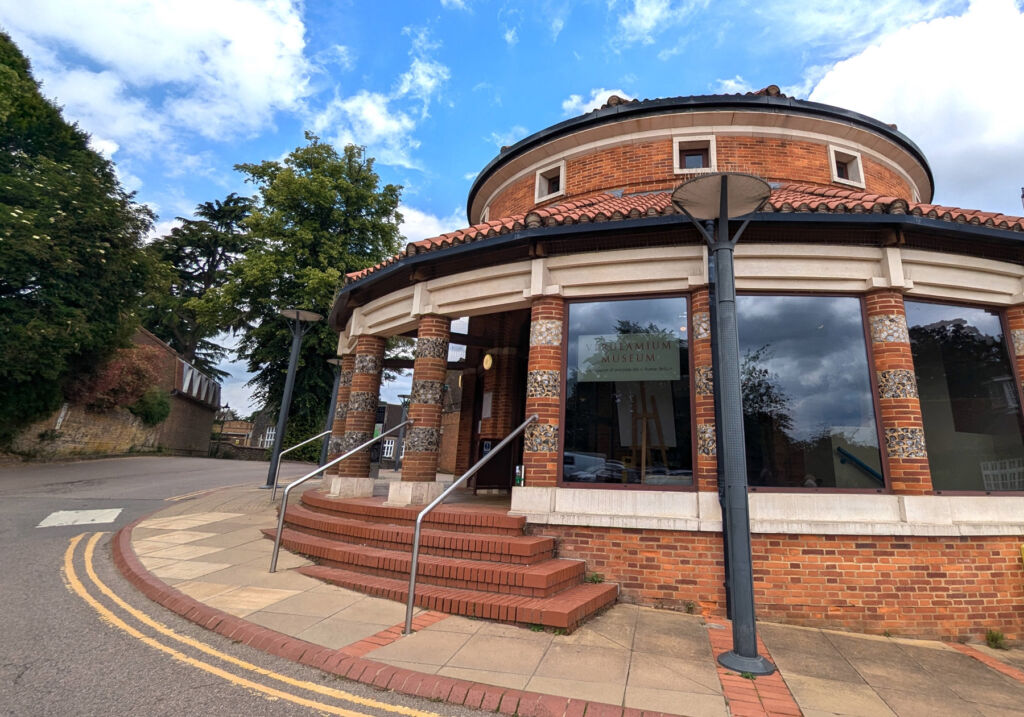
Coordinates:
[79,517]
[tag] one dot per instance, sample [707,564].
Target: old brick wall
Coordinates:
[946,587]
[648,166]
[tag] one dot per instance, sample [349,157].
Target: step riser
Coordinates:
[480,578]
[400,539]
[439,519]
[502,608]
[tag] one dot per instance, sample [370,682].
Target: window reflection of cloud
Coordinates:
[817,354]
[922,314]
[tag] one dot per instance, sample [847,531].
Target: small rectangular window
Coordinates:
[550,182]
[846,167]
[694,154]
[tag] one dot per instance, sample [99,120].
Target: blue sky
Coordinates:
[177,92]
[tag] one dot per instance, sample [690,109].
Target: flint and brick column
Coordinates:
[705,472]
[354,472]
[1015,319]
[423,437]
[334,448]
[898,401]
[544,392]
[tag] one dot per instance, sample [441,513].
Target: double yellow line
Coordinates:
[74,584]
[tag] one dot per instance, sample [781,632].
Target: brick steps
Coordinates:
[474,560]
[521,549]
[542,579]
[449,518]
[565,610]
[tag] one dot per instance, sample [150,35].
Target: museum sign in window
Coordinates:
[808,407]
[627,410]
[969,402]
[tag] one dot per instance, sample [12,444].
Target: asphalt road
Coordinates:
[68,649]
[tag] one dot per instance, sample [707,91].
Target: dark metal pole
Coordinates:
[286,400]
[330,414]
[731,451]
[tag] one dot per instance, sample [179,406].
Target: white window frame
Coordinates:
[694,141]
[387,449]
[852,160]
[544,174]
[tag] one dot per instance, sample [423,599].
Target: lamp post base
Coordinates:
[738,663]
[266,487]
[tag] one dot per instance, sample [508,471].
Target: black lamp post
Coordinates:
[717,197]
[299,321]
[336,362]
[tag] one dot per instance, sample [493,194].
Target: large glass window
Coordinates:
[808,408]
[627,412]
[969,402]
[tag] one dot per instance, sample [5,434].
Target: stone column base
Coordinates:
[403,493]
[346,487]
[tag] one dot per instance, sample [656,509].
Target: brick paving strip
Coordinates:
[988,661]
[765,696]
[349,661]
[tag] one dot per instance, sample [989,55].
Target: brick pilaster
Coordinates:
[544,391]
[705,469]
[1015,342]
[423,438]
[348,362]
[363,396]
[898,401]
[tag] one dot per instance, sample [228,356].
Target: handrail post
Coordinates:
[277,471]
[436,502]
[303,479]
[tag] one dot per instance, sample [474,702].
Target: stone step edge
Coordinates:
[565,611]
[453,520]
[475,546]
[542,579]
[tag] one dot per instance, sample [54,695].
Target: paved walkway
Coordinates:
[206,558]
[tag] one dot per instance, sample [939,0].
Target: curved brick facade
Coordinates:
[648,166]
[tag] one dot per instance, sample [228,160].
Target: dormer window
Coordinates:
[694,155]
[550,182]
[846,167]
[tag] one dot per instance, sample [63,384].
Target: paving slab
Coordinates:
[425,648]
[499,654]
[690,704]
[839,698]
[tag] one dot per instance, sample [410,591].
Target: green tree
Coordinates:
[71,266]
[318,215]
[191,260]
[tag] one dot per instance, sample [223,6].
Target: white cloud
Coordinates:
[417,225]
[454,4]
[511,36]
[557,25]
[470,176]
[964,113]
[577,105]
[385,122]
[507,138]
[649,18]
[218,68]
[840,27]
[732,86]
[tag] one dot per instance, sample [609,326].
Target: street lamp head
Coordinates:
[701,197]
[301,315]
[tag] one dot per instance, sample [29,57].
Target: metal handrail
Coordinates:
[277,472]
[436,502]
[303,479]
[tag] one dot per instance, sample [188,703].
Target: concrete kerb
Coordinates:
[342,662]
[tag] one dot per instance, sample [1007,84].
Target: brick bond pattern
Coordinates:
[648,166]
[540,455]
[898,404]
[362,412]
[913,586]
[348,364]
[422,439]
[706,470]
[500,382]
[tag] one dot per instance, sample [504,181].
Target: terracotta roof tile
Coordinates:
[787,198]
